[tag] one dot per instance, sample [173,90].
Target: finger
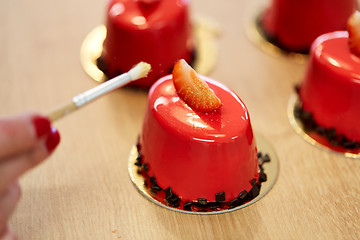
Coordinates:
[8,201]
[8,234]
[21,133]
[11,169]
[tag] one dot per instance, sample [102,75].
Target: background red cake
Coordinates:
[331,88]
[157,32]
[294,25]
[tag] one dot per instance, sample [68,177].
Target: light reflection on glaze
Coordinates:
[160,101]
[138,20]
[204,140]
[338,55]
[117,9]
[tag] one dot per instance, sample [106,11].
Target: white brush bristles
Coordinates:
[140,70]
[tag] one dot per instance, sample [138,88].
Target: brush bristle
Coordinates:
[140,70]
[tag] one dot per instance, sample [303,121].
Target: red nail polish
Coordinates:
[42,126]
[52,140]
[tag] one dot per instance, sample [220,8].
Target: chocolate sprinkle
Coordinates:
[145,167]
[266,158]
[138,160]
[234,203]
[153,180]
[173,201]
[243,195]
[255,190]
[220,197]
[145,184]
[187,206]
[168,193]
[154,186]
[253,182]
[262,177]
[202,201]
[215,206]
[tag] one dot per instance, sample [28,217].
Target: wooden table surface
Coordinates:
[84,191]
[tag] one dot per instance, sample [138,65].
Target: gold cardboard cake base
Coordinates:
[256,35]
[312,137]
[205,32]
[270,168]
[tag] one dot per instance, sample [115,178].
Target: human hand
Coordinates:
[25,141]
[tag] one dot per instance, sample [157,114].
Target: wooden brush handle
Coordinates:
[62,111]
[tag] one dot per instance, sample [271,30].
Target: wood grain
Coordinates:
[84,192]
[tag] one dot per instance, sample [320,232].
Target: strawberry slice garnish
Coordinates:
[192,89]
[354,32]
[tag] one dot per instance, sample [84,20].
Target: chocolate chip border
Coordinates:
[202,204]
[310,125]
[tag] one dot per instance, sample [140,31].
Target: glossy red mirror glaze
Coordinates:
[198,154]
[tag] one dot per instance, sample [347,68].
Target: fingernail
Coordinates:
[52,140]
[42,126]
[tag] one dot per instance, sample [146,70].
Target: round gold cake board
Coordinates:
[270,168]
[256,34]
[205,30]
[312,137]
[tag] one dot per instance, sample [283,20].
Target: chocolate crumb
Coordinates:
[215,206]
[155,187]
[220,197]
[153,180]
[255,190]
[243,194]
[262,177]
[349,144]
[234,203]
[259,154]
[101,64]
[253,182]
[187,206]
[138,161]
[266,158]
[145,167]
[168,193]
[202,201]
[173,200]
[138,146]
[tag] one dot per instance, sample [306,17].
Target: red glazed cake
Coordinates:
[294,25]
[199,157]
[157,32]
[331,88]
